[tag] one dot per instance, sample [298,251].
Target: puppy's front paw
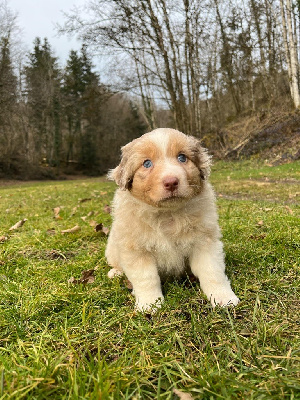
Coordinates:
[147,305]
[114,272]
[224,297]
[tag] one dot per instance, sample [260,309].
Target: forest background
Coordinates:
[224,71]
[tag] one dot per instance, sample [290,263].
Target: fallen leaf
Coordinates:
[87,276]
[258,237]
[245,332]
[105,230]
[268,209]
[55,255]
[107,209]
[74,211]
[93,223]
[290,211]
[51,231]
[75,228]
[56,211]
[90,213]
[102,229]
[18,224]
[84,200]
[182,395]
[98,227]
[3,239]
[103,193]
[260,223]
[84,218]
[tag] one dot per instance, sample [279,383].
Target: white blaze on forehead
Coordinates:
[160,138]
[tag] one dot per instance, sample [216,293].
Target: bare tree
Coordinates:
[290,49]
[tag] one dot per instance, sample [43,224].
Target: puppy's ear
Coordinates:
[123,173]
[200,157]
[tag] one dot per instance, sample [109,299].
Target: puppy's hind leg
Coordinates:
[207,264]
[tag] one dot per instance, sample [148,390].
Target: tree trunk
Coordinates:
[290,51]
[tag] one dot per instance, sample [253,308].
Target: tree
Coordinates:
[290,39]
[43,79]
[83,96]
[11,141]
[163,51]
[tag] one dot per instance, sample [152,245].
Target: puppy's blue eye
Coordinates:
[147,164]
[182,158]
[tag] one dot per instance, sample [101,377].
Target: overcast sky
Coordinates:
[38,17]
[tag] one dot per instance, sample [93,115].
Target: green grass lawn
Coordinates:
[61,340]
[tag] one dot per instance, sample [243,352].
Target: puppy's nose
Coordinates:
[171,183]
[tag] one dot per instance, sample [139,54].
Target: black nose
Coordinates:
[171,183]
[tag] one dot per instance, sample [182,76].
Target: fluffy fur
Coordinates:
[165,218]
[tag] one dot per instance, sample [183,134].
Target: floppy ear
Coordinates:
[123,173]
[200,157]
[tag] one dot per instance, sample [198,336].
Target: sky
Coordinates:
[38,18]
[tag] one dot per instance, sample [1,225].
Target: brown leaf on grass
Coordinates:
[182,395]
[18,224]
[107,209]
[84,200]
[3,239]
[260,223]
[105,230]
[87,216]
[101,229]
[50,231]
[245,332]
[290,211]
[258,237]
[74,209]
[56,211]
[75,228]
[87,276]
[55,255]
[103,193]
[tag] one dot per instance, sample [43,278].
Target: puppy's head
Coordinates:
[162,167]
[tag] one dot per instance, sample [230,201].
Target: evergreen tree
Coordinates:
[82,97]
[10,147]
[43,91]
[73,88]
[8,80]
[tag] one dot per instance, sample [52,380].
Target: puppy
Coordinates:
[165,219]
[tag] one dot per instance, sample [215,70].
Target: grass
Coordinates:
[64,341]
